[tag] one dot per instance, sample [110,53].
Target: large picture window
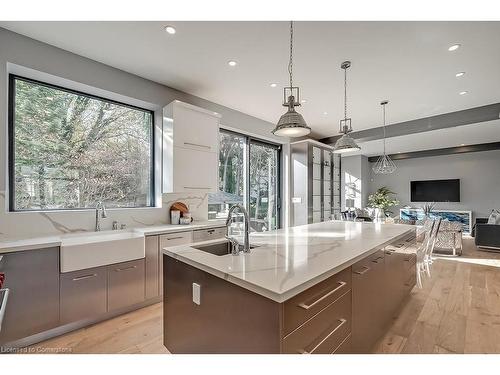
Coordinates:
[249,174]
[70,150]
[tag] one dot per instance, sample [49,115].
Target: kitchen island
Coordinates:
[329,287]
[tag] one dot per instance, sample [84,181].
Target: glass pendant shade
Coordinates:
[384,164]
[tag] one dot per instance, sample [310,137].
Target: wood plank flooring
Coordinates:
[457,311]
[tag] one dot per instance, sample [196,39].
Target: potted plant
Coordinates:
[428,208]
[381,200]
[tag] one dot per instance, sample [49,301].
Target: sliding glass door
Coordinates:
[264,186]
[249,174]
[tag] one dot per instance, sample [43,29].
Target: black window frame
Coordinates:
[248,141]
[11,143]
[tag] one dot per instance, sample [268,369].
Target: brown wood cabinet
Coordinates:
[125,284]
[346,313]
[368,284]
[152,267]
[33,304]
[83,294]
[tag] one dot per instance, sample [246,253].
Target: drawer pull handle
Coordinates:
[307,307]
[197,145]
[174,238]
[3,307]
[366,269]
[125,269]
[84,277]
[377,259]
[196,187]
[315,347]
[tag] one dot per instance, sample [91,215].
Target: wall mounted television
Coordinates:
[435,190]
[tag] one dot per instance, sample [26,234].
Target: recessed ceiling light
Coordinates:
[303,101]
[454,47]
[170,29]
[273,85]
[462,92]
[459,74]
[325,113]
[232,63]
[463,144]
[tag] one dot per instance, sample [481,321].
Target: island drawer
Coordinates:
[345,347]
[208,234]
[305,305]
[324,333]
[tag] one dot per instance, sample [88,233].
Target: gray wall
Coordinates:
[479,175]
[25,52]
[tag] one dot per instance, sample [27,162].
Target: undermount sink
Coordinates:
[94,249]
[219,249]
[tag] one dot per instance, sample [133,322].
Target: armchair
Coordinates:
[486,236]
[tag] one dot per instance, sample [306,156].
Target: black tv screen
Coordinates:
[435,191]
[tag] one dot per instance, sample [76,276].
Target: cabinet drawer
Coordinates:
[305,305]
[345,347]
[175,239]
[125,284]
[208,234]
[324,332]
[83,294]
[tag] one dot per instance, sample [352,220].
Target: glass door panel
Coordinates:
[263,186]
[232,189]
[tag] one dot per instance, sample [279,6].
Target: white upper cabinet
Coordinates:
[190,148]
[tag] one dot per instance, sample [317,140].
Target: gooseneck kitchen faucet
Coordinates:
[246,244]
[100,212]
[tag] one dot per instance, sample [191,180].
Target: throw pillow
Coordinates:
[494,217]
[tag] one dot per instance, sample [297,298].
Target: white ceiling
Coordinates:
[405,62]
[484,132]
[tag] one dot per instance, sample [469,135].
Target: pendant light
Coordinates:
[384,164]
[345,143]
[291,124]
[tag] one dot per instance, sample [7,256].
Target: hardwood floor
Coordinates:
[457,311]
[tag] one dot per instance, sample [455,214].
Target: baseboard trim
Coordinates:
[16,346]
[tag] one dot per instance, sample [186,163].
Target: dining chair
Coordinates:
[430,248]
[422,250]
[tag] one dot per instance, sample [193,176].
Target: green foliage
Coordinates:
[382,199]
[72,150]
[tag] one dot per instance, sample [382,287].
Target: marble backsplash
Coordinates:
[32,224]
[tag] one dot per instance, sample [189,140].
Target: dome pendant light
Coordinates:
[384,164]
[345,143]
[291,124]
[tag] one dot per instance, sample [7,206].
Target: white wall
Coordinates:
[479,174]
[355,180]
[21,51]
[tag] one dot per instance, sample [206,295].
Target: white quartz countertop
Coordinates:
[41,242]
[289,261]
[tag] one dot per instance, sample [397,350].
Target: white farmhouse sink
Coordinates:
[94,249]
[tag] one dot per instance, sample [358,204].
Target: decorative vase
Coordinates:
[379,213]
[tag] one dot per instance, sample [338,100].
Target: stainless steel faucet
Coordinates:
[246,244]
[98,215]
